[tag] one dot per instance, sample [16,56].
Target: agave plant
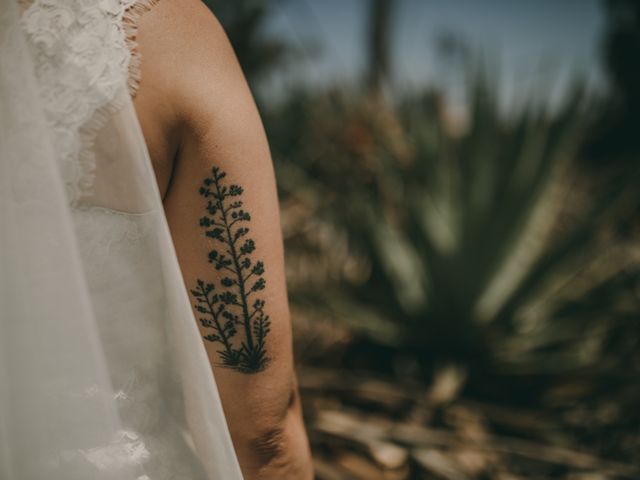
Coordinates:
[471,247]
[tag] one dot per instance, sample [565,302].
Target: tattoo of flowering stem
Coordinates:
[235,305]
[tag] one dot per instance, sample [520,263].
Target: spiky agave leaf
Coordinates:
[461,235]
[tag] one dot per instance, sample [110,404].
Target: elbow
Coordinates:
[270,446]
[279,449]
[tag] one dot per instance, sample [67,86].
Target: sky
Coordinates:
[537,45]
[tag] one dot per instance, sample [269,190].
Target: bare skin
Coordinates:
[196,112]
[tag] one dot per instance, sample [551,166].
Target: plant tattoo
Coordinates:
[232,305]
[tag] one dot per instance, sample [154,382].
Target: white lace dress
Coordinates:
[103,374]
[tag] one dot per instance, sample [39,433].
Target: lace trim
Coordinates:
[83,83]
[130,20]
[129,16]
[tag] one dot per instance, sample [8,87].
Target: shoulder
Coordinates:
[191,87]
[187,60]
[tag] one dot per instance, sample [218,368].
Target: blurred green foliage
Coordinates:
[489,247]
[482,241]
[615,135]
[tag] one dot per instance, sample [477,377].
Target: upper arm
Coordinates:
[228,239]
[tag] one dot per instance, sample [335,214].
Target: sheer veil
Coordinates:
[103,374]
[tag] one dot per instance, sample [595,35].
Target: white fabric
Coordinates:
[103,374]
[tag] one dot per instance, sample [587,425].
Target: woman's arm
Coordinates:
[222,209]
